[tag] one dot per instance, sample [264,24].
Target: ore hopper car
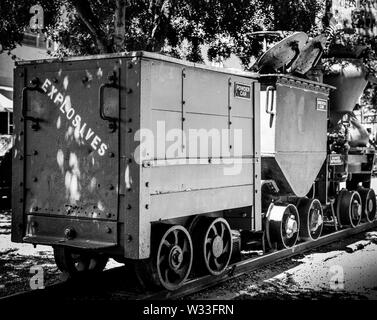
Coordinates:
[175,167]
[103,166]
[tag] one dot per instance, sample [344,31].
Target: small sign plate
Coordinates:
[369,118]
[242,91]
[322,104]
[336,160]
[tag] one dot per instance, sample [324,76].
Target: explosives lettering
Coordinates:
[66,108]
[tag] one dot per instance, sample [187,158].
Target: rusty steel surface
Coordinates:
[66,160]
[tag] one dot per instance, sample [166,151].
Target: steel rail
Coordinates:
[239,268]
[196,285]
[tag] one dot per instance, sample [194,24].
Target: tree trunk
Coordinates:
[120,26]
[327,15]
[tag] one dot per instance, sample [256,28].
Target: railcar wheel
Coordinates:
[212,245]
[282,225]
[174,257]
[349,208]
[368,204]
[76,262]
[171,258]
[311,218]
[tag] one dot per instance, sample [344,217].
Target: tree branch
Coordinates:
[91,22]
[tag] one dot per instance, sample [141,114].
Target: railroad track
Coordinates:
[102,288]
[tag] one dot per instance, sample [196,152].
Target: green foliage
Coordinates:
[174,27]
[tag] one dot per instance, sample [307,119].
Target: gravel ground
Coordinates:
[311,275]
[16,261]
[307,276]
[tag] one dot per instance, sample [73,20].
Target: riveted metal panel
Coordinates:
[89,233]
[165,124]
[242,136]
[178,185]
[241,97]
[74,172]
[167,177]
[18,155]
[138,108]
[205,92]
[149,90]
[166,86]
[295,134]
[70,155]
[257,208]
[202,130]
[180,204]
[300,125]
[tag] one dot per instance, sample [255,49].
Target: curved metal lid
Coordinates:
[310,55]
[283,52]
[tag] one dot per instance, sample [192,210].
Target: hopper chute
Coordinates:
[349,77]
[293,114]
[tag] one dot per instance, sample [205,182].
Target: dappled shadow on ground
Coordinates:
[5,222]
[17,261]
[16,272]
[290,290]
[309,275]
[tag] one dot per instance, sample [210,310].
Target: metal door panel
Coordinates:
[71,164]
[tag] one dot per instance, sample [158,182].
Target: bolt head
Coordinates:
[69,233]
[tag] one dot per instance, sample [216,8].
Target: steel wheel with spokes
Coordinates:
[174,257]
[212,245]
[171,258]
